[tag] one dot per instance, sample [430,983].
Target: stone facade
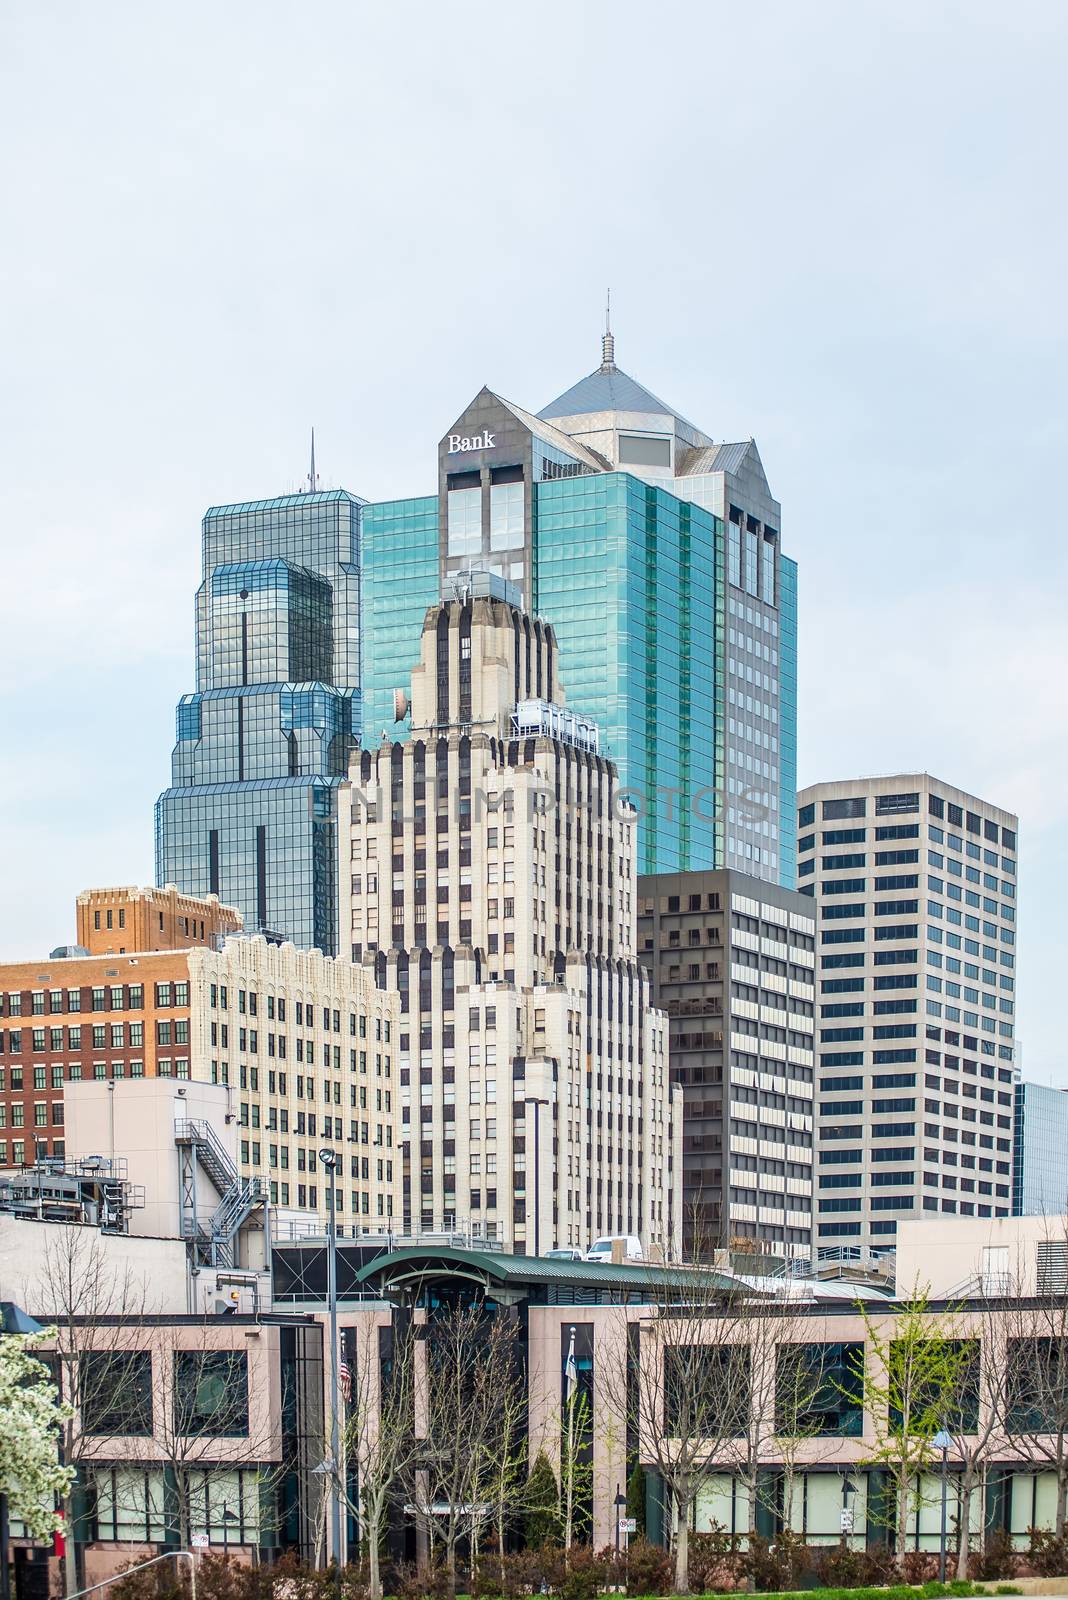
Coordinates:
[490,880]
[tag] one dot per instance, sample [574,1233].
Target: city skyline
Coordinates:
[894,353]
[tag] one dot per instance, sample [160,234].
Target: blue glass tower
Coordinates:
[655,553]
[265,738]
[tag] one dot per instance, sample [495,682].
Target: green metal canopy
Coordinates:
[408,1267]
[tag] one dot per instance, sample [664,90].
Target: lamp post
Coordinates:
[12,1320]
[849,1489]
[228,1516]
[328,1161]
[943,1441]
[621,1506]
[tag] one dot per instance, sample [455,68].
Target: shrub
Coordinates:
[645,1569]
[1048,1555]
[162,1582]
[518,1574]
[408,1583]
[587,1573]
[918,1567]
[771,1565]
[838,1566]
[997,1558]
[713,1560]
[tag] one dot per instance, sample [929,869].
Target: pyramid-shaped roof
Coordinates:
[608,389]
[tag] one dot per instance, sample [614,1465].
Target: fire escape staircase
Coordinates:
[213,1244]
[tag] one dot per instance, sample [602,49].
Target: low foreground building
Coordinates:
[203,1398]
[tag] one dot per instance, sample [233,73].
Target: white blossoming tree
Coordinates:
[30,1471]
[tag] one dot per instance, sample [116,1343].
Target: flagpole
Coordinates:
[570,1389]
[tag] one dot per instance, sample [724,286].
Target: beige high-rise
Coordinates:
[487,872]
[914,884]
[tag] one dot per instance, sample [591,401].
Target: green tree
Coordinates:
[915,1362]
[636,1497]
[30,1472]
[542,1523]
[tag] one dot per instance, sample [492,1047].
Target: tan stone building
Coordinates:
[487,877]
[306,1045]
[114,921]
[303,1043]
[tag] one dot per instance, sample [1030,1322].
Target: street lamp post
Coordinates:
[621,1506]
[942,1442]
[328,1161]
[849,1489]
[228,1516]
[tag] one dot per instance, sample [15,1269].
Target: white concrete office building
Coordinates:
[914,883]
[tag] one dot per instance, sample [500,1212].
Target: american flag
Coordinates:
[344,1379]
[570,1370]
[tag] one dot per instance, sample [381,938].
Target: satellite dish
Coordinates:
[400,705]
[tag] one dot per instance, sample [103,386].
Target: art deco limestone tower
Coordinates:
[487,872]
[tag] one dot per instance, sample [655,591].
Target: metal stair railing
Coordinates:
[238,1196]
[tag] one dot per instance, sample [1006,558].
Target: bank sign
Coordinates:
[460,442]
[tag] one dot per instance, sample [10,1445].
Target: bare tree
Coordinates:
[1036,1362]
[465,1420]
[208,1421]
[687,1387]
[576,1462]
[90,1302]
[804,1395]
[974,1413]
[507,1478]
[379,1438]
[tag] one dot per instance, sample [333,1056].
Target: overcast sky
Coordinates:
[840,228]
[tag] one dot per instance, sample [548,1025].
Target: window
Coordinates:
[818,1390]
[506,517]
[116,1393]
[211,1392]
[642,451]
[465,519]
[834,809]
[895,805]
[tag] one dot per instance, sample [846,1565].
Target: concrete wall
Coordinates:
[134,1272]
[949,1256]
[134,1118]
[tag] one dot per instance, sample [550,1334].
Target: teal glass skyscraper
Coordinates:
[265,738]
[655,553]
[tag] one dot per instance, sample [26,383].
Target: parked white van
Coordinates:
[601,1250]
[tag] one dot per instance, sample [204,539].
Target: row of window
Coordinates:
[56,1073]
[102,997]
[901,831]
[903,804]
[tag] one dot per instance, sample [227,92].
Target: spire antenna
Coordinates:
[608,344]
[313,476]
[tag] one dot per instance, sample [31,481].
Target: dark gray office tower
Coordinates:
[731,959]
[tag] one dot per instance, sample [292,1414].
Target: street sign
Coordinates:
[847,1522]
[199,1541]
[628,1524]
